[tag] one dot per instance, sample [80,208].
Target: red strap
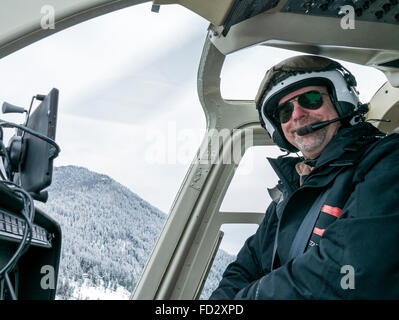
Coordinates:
[318,231]
[334,211]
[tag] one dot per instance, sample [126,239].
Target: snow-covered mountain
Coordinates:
[108,233]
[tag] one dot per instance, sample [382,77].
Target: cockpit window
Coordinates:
[244,70]
[129,124]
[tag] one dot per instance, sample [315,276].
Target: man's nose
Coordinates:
[298,112]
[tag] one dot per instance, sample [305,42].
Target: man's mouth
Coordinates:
[293,131]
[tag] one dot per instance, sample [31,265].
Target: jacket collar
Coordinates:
[285,170]
[346,143]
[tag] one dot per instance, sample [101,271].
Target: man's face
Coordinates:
[311,145]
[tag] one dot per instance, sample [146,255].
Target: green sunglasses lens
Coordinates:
[311,100]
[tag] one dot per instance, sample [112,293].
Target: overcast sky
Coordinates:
[127,84]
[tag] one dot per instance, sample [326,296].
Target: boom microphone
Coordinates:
[303,131]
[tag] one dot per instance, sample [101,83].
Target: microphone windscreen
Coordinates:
[304,130]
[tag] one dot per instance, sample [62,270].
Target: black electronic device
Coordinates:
[37,163]
[12,229]
[44,251]
[29,239]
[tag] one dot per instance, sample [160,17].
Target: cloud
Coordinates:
[139,93]
[92,54]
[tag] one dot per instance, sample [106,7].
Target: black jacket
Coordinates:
[353,252]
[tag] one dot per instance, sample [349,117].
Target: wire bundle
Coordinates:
[28,214]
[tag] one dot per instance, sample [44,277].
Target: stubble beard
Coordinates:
[312,141]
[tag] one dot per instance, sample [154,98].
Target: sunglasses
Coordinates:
[311,100]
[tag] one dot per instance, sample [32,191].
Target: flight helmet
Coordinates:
[298,72]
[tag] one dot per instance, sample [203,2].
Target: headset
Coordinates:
[341,85]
